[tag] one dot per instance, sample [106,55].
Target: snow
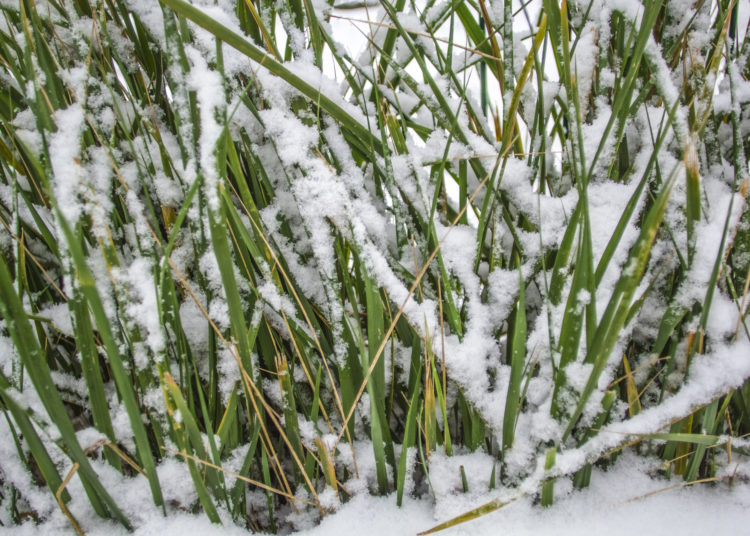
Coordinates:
[142,304]
[624,499]
[207,84]
[619,502]
[65,160]
[584,64]
[59,315]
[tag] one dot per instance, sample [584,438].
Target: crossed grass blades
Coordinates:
[303,290]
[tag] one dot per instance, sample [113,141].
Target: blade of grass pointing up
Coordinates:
[366,138]
[517,360]
[38,370]
[87,284]
[617,310]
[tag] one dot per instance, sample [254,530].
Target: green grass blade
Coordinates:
[517,354]
[87,284]
[38,370]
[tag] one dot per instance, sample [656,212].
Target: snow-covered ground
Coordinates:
[621,501]
[628,499]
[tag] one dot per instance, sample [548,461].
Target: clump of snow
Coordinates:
[618,502]
[142,303]
[66,161]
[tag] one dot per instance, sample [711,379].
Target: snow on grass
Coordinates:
[306,244]
[620,501]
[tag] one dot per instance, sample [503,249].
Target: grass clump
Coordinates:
[519,229]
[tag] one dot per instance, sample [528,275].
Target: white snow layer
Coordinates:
[622,501]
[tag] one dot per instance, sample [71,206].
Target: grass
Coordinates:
[499,213]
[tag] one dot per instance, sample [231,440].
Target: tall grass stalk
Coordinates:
[238,261]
